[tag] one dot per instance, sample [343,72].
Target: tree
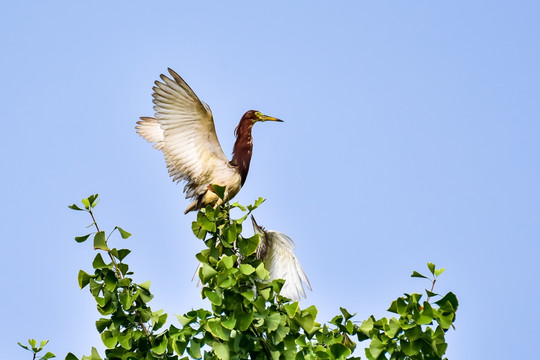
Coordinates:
[248,318]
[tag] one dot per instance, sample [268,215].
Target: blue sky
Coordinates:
[411,134]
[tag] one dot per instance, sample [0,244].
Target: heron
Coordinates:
[183,129]
[276,250]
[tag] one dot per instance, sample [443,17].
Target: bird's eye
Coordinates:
[258,114]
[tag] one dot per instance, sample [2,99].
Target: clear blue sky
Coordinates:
[411,134]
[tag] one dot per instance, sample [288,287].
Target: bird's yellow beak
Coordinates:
[263,117]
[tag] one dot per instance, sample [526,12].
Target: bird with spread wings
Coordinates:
[183,129]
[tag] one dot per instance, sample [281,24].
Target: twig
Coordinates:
[119,275]
[432,287]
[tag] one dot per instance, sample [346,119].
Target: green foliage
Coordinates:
[248,318]
[35,349]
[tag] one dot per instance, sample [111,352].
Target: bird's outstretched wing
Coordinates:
[283,264]
[183,128]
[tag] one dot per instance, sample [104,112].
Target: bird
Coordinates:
[183,129]
[276,250]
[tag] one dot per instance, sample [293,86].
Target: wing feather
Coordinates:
[283,264]
[183,128]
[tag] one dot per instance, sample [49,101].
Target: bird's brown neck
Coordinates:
[243,147]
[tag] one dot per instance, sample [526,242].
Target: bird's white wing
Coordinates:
[283,264]
[183,128]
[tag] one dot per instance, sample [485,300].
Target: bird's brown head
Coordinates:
[255,116]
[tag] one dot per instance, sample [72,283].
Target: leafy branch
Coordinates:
[248,318]
[35,349]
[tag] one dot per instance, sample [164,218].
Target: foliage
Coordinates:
[248,318]
[36,349]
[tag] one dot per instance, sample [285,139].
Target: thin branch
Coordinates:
[432,287]
[119,275]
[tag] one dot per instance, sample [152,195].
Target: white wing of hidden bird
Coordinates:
[276,250]
[183,128]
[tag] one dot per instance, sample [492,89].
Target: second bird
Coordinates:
[183,129]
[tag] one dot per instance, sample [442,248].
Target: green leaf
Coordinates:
[110,281]
[100,242]
[431,267]
[393,328]
[93,356]
[93,200]
[312,310]
[217,330]
[86,204]
[95,287]
[367,325]
[121,254]
[222,351]
[70,356]
[229,322]
[219,191]
[158,319]
[400,306]
[102,324]
[99,263]
[208,272]
[81,239]
[411,348]
[198,231]
[212,296]
[231,232]
[306,322]
[258,202]
[123,269]
[240,206]
[291,309]
[145,285]
[225,281]
[243,320]
[438,272]
[47,356]
[126,299]
[228,261]
[123,233]
[418,275]
[184,320]
[179,347]
[32,343]
[339,350]
[426,315]
[205,223]
[247,269]
[376,347]
[248,246]
[346,314]
[194,348]
[449,298]
[75,207]
[249,295]
[83,279]
[109,340]
[24,346]
[161,345]
[272,321]
[261,272]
